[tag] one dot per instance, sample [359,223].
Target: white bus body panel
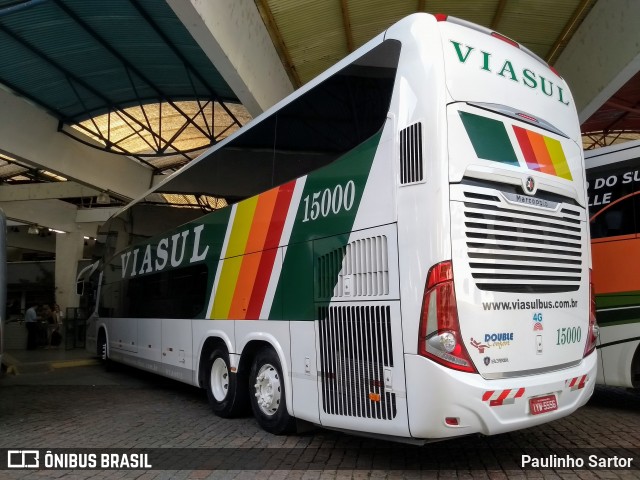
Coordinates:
[150,338]
[616,359]
[304,371]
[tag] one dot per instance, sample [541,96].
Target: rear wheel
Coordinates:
[268,400]
[635,369]
[102,351]
[225,389]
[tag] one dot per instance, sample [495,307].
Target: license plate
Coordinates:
[544,404]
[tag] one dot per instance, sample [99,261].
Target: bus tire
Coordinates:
[224,388]
[635,369]
[268,399]
[103,355]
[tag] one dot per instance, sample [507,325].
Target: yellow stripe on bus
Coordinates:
[233,261]
[557,157]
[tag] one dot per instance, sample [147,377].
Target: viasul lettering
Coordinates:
[506,68]
[169,251]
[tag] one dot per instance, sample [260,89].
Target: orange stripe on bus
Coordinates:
[260,223]
[542,154]
[283,203]
[615,266]
[231,266]
[244,286]
[262,219]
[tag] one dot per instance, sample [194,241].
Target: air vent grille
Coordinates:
[520,250]
[355,350]
[411,167]
[361,269]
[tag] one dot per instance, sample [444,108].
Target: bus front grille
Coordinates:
[512,249]
[355,349]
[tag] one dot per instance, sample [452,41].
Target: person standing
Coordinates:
[31,322]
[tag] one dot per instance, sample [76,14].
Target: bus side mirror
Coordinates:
[80,288]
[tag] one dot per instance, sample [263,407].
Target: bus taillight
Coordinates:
[592,334]
[440,338]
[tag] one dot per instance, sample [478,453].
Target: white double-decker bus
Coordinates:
[405,253]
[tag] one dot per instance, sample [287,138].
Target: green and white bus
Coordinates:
[613,174]
[405,253]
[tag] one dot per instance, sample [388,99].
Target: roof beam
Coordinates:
[58,215]
[497,16]
[602,55]
[55,214]
[22,123]
[348,32]
[45,191]
[234,37]
[551,56]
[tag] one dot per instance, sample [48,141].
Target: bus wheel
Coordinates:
[102,352]
[268,400]
[222,385]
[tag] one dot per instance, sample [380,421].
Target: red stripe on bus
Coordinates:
[527,149]
[541,152]
[285,193]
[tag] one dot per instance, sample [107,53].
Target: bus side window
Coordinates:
[617,219]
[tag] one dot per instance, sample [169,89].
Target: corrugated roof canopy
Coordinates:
[312,35]
[124,75]
[80,58]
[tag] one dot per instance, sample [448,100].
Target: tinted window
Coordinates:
[611,203]
[177,293]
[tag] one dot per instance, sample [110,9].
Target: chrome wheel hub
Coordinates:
[219,380]
[268,389]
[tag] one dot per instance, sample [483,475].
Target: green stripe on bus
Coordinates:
[294,298]
[489,138]
[616,300]
[620,316]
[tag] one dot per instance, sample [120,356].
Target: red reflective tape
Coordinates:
[573,381]
[503,395]
[487,395]
[520,393]
[583,380]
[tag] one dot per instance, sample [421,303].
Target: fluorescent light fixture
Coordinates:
[57,231]
[103,198]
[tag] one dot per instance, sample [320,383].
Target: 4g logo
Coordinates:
[537,318]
